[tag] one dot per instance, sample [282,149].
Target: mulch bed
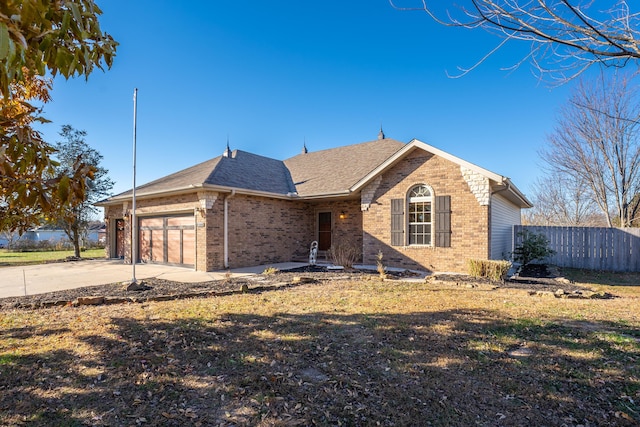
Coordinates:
[534,278]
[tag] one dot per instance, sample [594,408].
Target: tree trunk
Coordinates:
[76,240]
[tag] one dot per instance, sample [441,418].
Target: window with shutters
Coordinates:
[420,218]
[427,220]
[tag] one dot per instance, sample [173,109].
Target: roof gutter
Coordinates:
[513,190]
[190,189]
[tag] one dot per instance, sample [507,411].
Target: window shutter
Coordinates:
[397,222]
[443,221]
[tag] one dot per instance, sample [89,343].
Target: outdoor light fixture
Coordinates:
[343,215]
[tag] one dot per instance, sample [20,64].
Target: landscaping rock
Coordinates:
[116,300]
[136,286]
[302,279]
[89,301]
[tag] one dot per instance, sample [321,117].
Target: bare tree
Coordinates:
[566,36]
[562,199]
[596,140]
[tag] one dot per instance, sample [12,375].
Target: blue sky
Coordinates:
[271,75]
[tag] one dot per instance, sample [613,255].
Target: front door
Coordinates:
[324,231]
[119,252]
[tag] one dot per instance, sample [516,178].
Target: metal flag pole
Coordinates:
[134,224]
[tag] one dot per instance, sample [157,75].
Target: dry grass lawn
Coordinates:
[331,354]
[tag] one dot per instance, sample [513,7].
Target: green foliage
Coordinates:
[533,247]
[56,37]
[490,269]
[73,213]
[39,39]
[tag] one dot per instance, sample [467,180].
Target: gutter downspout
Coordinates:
[226,229]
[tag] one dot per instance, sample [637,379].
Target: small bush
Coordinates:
[380,266]
[534,247]
[270,270]
[27,245]
[344,253]
[494,270]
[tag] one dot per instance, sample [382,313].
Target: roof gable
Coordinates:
[513,193]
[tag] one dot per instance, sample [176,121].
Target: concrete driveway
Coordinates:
[37,279]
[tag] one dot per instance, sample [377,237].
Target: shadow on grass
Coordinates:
[445,368]
[605,278]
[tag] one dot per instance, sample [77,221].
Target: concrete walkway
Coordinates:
[41,278]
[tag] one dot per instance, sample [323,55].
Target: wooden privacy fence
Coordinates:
[593,248]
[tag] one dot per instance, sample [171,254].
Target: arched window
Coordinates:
[420,202]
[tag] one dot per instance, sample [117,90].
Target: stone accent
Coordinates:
[478,184]
[207,199]
[366,197]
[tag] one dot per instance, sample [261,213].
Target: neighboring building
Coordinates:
[52,234]
[423,208]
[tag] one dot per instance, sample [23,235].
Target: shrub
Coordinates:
[494,270]
[270,270]
[344,253]
[27,245]
[380,266]
[534,247]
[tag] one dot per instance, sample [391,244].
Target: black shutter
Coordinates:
[397,222]
[443,221]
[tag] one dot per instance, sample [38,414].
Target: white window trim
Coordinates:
[418,199]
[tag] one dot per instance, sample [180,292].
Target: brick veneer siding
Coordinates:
[264,230]
[469,220]
[261,230]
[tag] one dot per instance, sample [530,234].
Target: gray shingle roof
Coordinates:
[323,172]
[252,172]
[337,169]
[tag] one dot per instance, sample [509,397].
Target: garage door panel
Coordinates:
[189,247]
[157,246]
[145,245]
[174,246]
[152,222]
[180,221]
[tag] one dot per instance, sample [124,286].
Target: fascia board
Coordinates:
[190,189]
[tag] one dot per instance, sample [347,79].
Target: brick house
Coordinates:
[422,207]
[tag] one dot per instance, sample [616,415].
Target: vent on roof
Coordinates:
[381,133]
[304,148]
[227,151]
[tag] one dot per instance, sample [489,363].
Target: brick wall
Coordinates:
[261,230]
[264,230]
[469,220]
